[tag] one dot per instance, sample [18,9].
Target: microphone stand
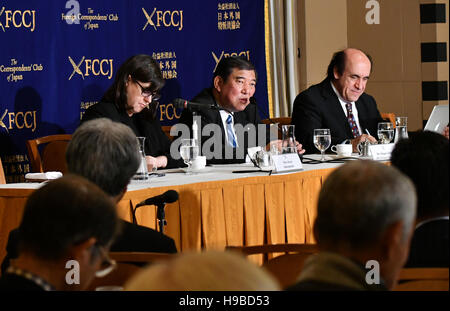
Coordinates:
[161,215]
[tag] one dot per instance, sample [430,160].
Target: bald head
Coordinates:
[349,71]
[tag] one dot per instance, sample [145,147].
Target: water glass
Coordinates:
[385,132]
[142,172]
[401,128]
[322,140]
[189,151]
[288,139]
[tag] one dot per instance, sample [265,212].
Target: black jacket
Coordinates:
[318,107]
[211,116]
[157,142]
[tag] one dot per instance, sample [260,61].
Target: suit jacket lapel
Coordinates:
[333,105]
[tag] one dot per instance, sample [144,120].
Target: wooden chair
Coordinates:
[423,279]
[128,264]
[280,121]
[2,173]
[53,154]
[166,130]
[285,268]
[389,116]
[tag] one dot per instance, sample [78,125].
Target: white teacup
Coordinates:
[199,163]
[344,150]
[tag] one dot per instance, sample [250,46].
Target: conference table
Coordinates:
[217,207]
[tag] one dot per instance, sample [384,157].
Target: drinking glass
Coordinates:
[322,140]
[189,152]
[385,132]
[401,128]
[288,139]
[142,172]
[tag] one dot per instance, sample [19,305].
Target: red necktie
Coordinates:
[351,120]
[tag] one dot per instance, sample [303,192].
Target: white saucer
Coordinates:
[199,170]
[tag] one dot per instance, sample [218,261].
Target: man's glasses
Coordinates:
[154,96]
[107,265]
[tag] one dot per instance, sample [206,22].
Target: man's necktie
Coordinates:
[351,120]
[230,133]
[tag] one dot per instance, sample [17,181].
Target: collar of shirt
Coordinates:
[343,105]
[31,277]
[224,116]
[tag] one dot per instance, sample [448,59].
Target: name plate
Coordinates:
[287,162]
[381,151]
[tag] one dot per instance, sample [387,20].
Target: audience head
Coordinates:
[424,158]
[349,70]
[234,83]
[106,153]
[67,219]
[140,75]
[204,271]
[366,211]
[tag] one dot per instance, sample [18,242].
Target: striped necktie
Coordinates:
[351,120]
[230,134]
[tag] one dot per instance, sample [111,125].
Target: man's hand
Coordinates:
[445,133]
[361,139]
[157,162]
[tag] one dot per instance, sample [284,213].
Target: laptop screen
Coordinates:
[438,119]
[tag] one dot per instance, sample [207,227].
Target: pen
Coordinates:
[368,133]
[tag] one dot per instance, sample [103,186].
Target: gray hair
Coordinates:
[105,152]
[360,200]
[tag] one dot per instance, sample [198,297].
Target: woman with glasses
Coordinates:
[133,101]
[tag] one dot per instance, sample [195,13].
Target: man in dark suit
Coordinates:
[66,230]
[365,219]
[338,103]
[106,153]
[424,158]
[234,84]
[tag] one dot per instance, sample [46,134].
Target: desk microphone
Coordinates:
[169,196]
[182,104]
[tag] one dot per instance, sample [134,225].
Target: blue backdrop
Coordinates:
[58,57]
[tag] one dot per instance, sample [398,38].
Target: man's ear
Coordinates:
[82,251]
[336,73]
[128,80]
[119,197]
[392,240]
[218,82]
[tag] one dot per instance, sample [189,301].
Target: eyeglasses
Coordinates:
[154,96]
[107,265]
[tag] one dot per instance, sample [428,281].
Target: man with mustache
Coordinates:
[339,103]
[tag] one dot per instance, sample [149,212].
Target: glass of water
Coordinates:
[189,152]
[322,140]
[385,132]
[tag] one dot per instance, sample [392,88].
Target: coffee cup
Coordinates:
[199,163]
[344,150]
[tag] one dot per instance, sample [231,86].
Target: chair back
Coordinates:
[2,173]
[285,267]
[423,279]
[280,121]
[52,156]
[166,130]
[389,116]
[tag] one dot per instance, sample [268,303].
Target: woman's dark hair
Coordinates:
[142,68]
[227,64]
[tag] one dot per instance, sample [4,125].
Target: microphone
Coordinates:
[182,104]
[169,196]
